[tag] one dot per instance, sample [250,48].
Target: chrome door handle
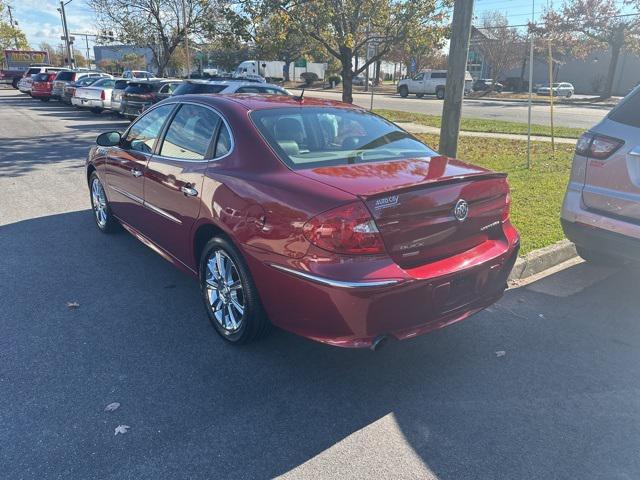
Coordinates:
[136,173]
[189,191]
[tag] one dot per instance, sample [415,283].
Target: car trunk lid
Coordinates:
[419,204]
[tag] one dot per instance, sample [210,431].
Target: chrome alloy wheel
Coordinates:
[224,291]
[99,202]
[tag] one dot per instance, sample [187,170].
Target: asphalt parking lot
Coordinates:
[544,384]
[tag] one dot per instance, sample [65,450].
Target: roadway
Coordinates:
[579,116]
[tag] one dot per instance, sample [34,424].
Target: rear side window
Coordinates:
[628,112]
[121,84]
[31,71]
[66,76]
[198,88]
[439,75]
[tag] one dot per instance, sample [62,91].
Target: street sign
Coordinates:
[302,63]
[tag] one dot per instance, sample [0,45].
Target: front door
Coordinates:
[174,177]
[126,164]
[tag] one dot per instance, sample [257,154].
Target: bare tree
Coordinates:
[160,25]
[500,45]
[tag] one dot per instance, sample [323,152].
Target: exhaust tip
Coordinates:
[378,342]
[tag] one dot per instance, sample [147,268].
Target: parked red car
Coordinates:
[42,85]
[315,216]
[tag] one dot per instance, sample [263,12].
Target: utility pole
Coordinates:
[186,40]
[454,88]
[65,32]
[13,26]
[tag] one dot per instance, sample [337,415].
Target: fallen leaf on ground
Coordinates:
[72,305]
[500,353]
[122,429]
[111,407]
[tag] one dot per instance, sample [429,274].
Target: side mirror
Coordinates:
[109,139]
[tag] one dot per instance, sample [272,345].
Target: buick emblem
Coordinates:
[461,210]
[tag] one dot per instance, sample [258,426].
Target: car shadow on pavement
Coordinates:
[559,400]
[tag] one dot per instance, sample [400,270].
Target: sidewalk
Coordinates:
[417,128]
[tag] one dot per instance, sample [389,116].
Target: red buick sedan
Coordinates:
[315,216]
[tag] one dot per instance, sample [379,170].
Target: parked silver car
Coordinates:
[601,209]
[96,97]
[562,89]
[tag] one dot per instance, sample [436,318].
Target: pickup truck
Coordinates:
[10,77]
[430,82]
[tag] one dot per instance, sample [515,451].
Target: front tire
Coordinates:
[105,220]
[404,91]
[440,93]
[229,293]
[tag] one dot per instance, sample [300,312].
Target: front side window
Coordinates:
[419,77]
[190,133]
[308,137]
[143,134]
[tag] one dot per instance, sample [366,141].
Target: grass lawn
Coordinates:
[481,125]
[536,193]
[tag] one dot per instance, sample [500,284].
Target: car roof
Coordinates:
[263,102]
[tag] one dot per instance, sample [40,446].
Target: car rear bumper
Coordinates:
[40,94]
[598,232]
[387,301]
[86,103]
[132,110]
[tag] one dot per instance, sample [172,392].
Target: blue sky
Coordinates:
[40,20]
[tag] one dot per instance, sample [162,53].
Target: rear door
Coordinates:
[126,164]
[173,178]
[612,184]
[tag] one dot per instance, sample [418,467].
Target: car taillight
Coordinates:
[597,146]
[102,95]
[506,207]
[349,229]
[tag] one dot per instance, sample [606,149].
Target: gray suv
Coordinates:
[601,209]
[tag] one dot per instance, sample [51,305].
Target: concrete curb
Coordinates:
[542,259]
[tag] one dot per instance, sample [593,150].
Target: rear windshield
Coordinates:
[41,77]
[121,84]
[628,111]
[86,81]
[189,88]
[139,88]
[66,76]
[141,74]
[31,71]
[312,137]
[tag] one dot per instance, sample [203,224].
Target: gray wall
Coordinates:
[589,75]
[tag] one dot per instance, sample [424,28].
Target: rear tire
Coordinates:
[568,95]
[14,84]
[404,91]
[96,111]
[440,93]
[44,99]
[229,293]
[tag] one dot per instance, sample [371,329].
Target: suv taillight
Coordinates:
[597,146]
[102,95]
[349,229]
